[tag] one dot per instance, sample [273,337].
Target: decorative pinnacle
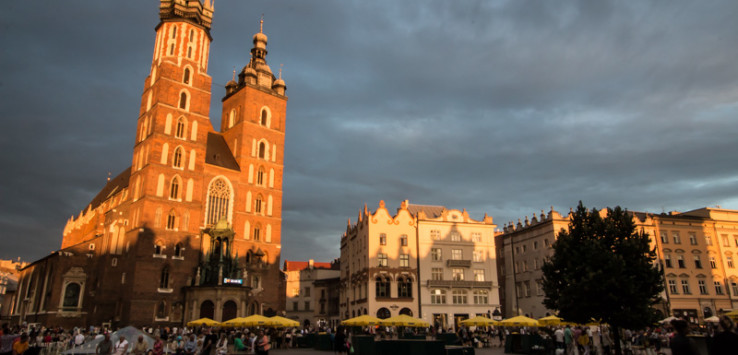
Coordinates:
[234,74]
[261,24]
[280,71]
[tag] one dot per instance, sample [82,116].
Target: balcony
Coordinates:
[459,284]
[458,263]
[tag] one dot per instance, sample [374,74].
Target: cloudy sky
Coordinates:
[503,107]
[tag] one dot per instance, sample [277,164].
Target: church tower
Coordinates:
[169,160]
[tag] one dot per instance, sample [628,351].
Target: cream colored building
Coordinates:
[379,264]
[428,262]
[457,265]
[697,250]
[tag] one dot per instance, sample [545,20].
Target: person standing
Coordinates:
[262,344]
[726,341]
[559,338]
[105,347]
[221,348]
[21,346]
[190,346]
[680,344]
[339,341]
[569,340]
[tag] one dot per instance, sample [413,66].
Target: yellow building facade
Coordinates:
[696,249]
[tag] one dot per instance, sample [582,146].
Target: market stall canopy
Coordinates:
[282,322]
[479,321]
[362,321]
[667,320]
[207,322]
[404,320]
[713,319]
[130,333]
[733,314]
[250,321]
[519,321]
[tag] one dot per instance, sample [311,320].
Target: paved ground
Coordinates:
[483,351]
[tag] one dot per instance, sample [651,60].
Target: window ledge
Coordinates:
[164,290]
[178,258]
[160,256]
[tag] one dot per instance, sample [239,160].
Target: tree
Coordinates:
[603,269]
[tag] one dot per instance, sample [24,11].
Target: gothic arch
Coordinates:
[219,202]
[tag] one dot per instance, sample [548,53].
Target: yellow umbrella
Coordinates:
[362,321]
[479,321]
[250,321]
[404,320]
[282,322]
[551,320]
[733,314]
[203,321]
[519,321]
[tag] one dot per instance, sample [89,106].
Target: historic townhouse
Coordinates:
[696,250]
[425,261]
[192,228]
[312,292]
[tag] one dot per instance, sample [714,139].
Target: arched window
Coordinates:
[178,250]
[71,295]
[264,117]
[207,309]
[158,248]
[179,132]
[231,118]
[183,100]
[383,313]
[177,158]
[186,76]
[383,287]
[164,278]
[404,287]
[161,310]
[174,189]
[171,49]
[171,221]
[174,32]
[262,150]
[260,176]
[192,35]
[189,52]
[257,233]
[219,195]
[406,311]
[257,204]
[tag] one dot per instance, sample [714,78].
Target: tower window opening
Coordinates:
[183,100]
[262,150]
[257,204]
[164,280]
[171,49]
[192,35]
[174,190]
[177,159]
[186,78]
[263,117]
[189,52]
[260,177]
[257,233]
[180,132]
[174,32]
[171,221]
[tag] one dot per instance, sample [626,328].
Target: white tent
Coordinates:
[130,333]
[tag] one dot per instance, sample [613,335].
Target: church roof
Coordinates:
[219,154]
[113,186]
[430,211]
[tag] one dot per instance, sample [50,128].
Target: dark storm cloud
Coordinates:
[504,107]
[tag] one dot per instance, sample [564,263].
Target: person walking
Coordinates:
[104,347]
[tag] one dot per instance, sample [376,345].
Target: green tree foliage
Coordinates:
[603,269]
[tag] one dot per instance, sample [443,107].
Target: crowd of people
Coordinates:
[564,340]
